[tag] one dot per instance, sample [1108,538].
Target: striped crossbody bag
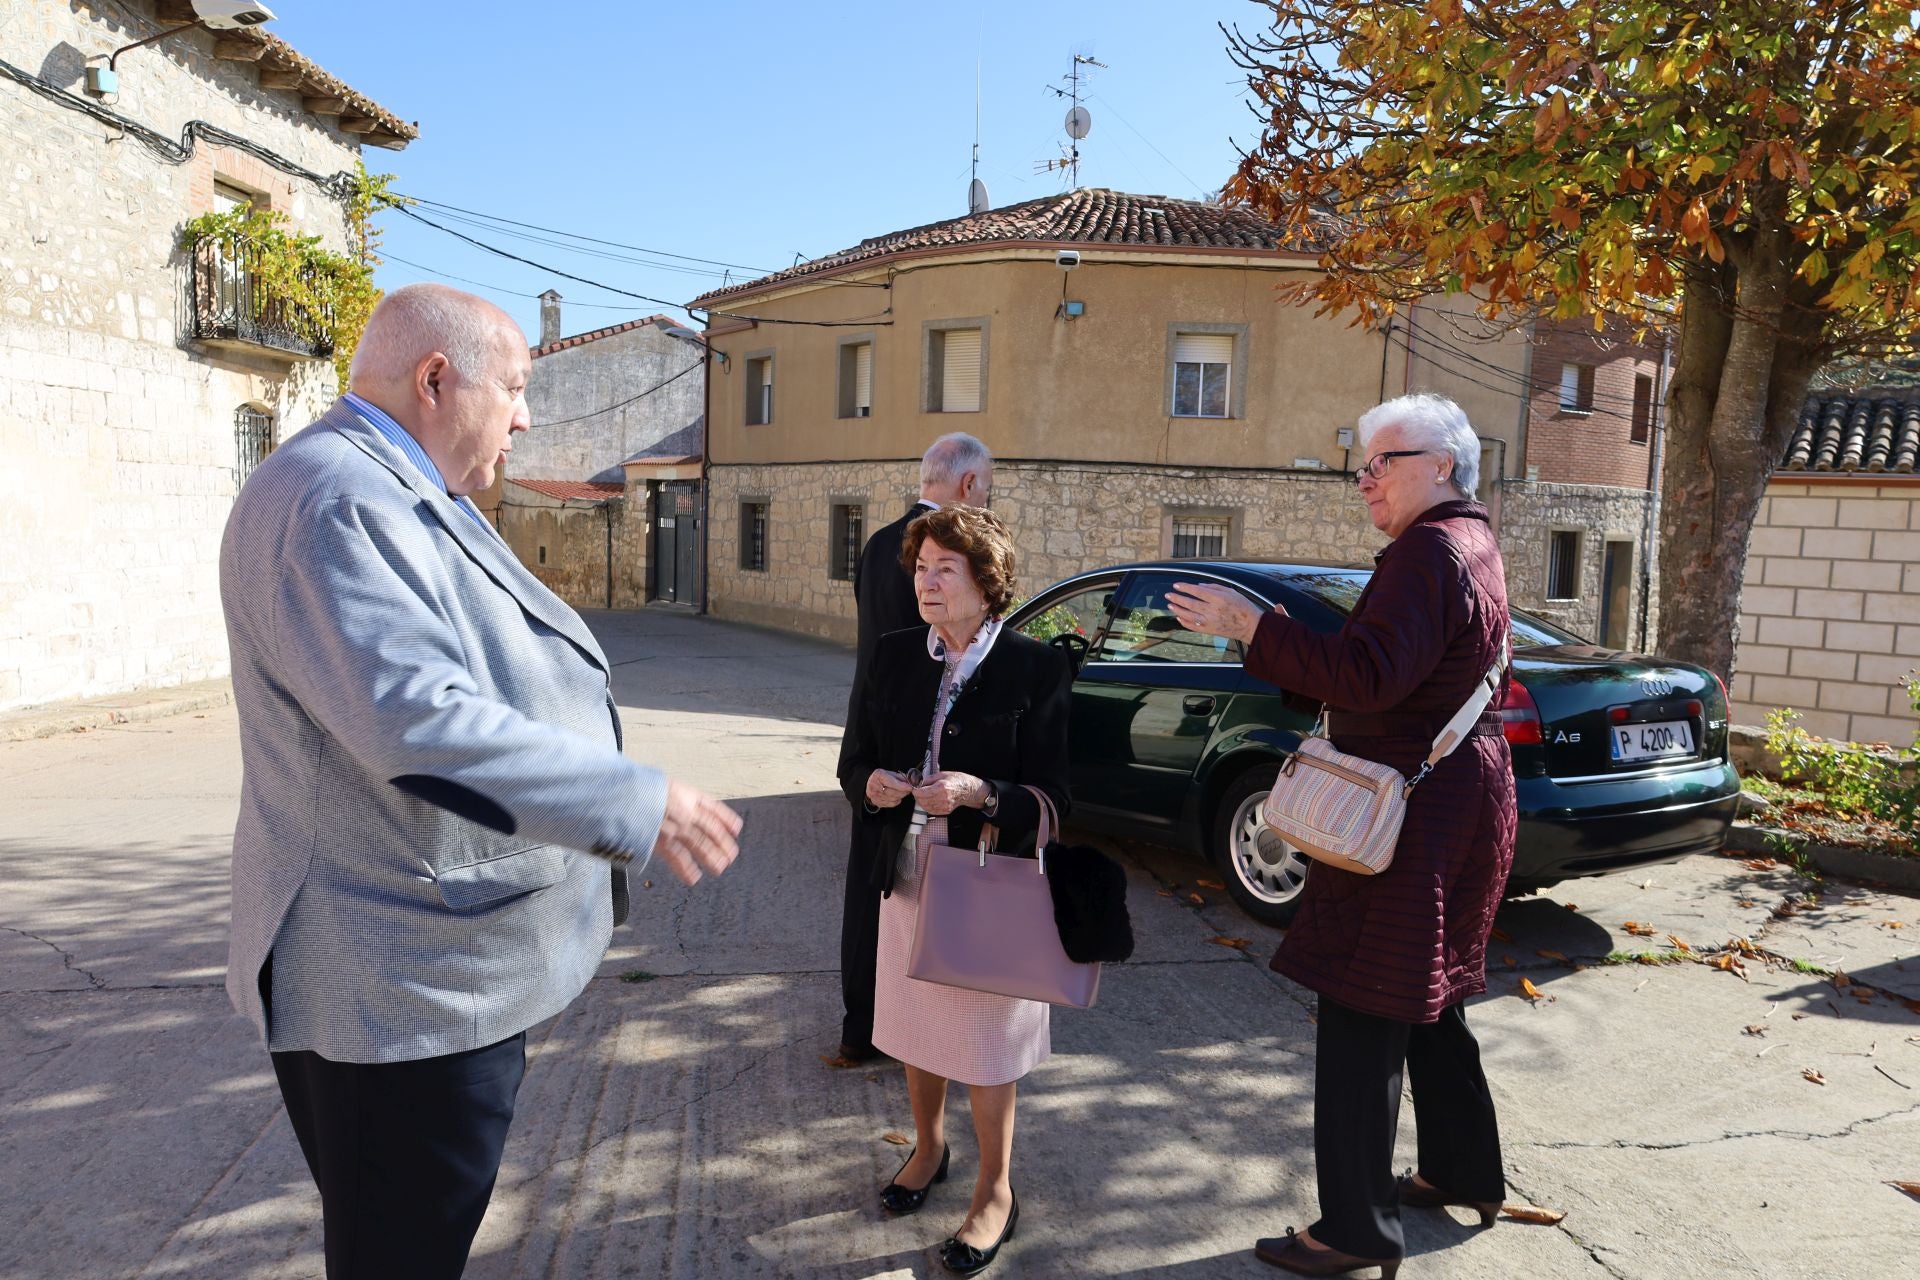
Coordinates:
[1346,811]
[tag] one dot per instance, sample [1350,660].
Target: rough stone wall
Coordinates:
[118,440]
[577,434]
[1830,614]
[1529,513]
[574,539]
[1069,518]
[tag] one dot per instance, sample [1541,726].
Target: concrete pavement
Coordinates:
[677,1121]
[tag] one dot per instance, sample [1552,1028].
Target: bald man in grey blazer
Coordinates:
[436,820]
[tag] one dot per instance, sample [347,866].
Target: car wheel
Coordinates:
[1263,872]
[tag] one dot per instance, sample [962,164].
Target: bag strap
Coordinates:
[1456,729]
[1049,827]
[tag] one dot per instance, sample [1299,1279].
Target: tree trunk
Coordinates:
[1745,360]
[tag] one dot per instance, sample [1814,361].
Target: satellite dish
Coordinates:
[977,201]
[1079,120]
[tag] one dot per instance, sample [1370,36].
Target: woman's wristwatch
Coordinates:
[990,805]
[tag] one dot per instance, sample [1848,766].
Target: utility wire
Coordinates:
[865,323]
[612,244]
[494,288]
[564,422]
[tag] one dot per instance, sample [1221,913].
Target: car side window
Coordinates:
[1144,630]
[1081,614]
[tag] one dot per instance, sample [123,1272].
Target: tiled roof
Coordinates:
[388,130]
[1873,431]
[580,339]
[580,490]
[1091,216]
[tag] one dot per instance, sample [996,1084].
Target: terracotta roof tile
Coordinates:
[580,339]
[580,490]
[316,82]
[1091,216]
[1874,431]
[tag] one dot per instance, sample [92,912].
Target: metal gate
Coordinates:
[676,543]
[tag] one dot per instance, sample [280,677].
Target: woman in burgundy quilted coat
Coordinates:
[1395,956]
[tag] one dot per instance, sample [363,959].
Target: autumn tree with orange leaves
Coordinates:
[1744,170]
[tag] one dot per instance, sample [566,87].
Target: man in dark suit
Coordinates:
[956,470]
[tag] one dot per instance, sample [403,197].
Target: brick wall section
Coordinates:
[1570,447]
[1830,615]
[118,440]
[1070,518]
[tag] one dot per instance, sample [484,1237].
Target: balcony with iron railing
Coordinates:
[232,303]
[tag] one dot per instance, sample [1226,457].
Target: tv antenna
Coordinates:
[1079,121]
[977,199]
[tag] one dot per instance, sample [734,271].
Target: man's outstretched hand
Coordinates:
[697,834]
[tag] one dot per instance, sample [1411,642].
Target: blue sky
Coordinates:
[753,132]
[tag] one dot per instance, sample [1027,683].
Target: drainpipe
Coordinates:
[706,460]
[1650,539]
[608,508]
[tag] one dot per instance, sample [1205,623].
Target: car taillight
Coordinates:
[1725,701]
[1519,717]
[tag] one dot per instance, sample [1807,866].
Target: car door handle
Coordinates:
[1197,704]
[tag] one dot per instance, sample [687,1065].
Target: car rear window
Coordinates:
[1339,590]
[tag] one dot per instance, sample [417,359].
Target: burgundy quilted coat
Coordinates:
[1412,940]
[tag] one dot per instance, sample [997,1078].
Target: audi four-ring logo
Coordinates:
[1658,688]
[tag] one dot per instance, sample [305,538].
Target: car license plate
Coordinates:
[1635,743]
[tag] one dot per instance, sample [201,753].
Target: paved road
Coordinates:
[677,1121]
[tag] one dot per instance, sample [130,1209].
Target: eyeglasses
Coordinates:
[1376,466]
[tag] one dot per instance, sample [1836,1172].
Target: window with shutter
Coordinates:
[760,391]
[1642,409]
[855,398]
[1576,388]
[1202,375]
[958,385]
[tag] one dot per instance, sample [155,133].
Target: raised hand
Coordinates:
[698,834]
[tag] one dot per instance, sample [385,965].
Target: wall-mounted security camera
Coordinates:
[231,15]
[1067,259]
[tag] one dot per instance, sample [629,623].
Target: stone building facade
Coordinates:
[616,440]
[125,435]
[1830,613]
[1082,382]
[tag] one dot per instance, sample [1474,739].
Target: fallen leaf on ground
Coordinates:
[1727,962]
[1756,1028]
[1913,1006]
[1196,900]
[1510,961]
[1638,930]
[1502,934]
[1553,955]
[1745,902]
[1759,864]
[1891,924]
[1229,942]
[1678,942]
[1911,1188]
[1529,990]
[1840,980]
[1210,884]
[1165,893]
[897,1139]
[1798,1016]
[1810,1074]
[646,884]
[1533,1213]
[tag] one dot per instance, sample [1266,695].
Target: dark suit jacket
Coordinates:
[1009,727]
[883,591]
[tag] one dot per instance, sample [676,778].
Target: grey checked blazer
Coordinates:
[428,737]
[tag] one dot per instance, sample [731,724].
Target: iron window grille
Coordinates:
[753,535]
[848,535]
[1199,539]
[252,438]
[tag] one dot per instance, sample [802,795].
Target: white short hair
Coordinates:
[953,456]
[1428,421]
[416,320]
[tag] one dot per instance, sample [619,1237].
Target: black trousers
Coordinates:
[859,951]
[405,1153]
[1356,1110]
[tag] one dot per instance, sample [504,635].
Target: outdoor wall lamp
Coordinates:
[214,15]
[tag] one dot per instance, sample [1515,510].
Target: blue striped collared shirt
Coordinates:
[400,438]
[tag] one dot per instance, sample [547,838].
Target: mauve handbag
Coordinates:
[986,924]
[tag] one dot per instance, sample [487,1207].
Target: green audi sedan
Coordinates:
[1620,760]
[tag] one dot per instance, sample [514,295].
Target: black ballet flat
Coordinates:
[899,1200]
[963,1259]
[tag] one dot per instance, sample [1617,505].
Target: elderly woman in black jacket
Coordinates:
[956,722]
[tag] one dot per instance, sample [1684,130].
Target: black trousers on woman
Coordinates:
[1356,1110]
